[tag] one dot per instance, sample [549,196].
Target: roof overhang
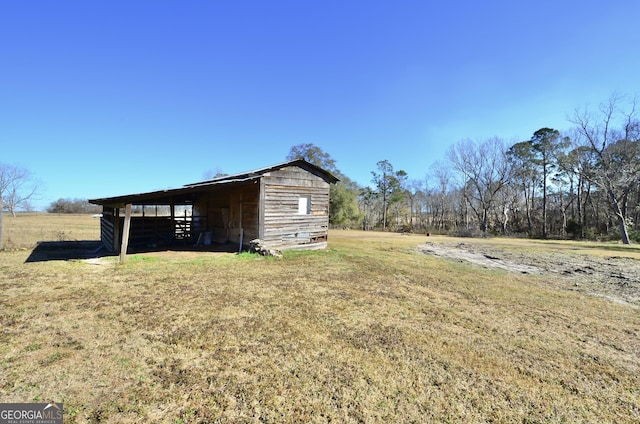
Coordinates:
[326,175]
[186,194]
[176,196]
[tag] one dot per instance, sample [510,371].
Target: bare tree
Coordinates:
[613,136]
[525,175]
[442,174]
[368,199]
[211,174]
[484,170]
[413,191]
[17,187]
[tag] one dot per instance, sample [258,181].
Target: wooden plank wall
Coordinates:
[106,227]
[284,226]
[243,214]
[229,209]
[148,231]
[151,232]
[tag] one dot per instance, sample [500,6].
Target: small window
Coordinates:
[304,205]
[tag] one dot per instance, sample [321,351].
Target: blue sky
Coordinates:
[101,98]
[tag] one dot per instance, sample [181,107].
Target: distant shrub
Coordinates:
[73,206]
[466,232]
[574,229]
[614,235]
[590,234]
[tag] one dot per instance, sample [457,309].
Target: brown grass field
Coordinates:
[369,330]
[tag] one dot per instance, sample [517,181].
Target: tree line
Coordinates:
[583,184]
[68,205]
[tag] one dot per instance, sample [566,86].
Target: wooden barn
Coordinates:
[285,206]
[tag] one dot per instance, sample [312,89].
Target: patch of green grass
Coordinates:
[51,359]
[32,347]
[143,258]
[247,256]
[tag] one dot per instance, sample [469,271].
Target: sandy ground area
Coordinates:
[612,277]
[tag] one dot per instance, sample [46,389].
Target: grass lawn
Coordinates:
[366,331]
[27,229]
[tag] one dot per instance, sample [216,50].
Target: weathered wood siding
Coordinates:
[151,232]
[230,211]
[283,225]
[107,223]
[144,231]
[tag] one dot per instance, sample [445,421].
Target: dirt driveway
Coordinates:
[612,277]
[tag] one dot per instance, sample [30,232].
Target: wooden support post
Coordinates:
[241,229]
[125,233]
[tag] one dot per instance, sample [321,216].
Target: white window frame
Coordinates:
[304,205]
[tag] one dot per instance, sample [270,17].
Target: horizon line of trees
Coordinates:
[584,184]
[73,205]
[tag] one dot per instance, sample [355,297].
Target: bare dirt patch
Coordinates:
[615,278]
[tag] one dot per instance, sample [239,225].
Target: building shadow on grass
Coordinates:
[67,250]
[89,249]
